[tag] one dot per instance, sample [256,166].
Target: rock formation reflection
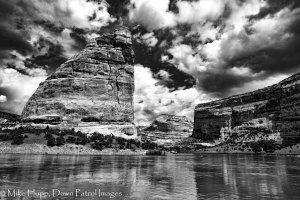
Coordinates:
[136,177]
[247,177]
[155,177]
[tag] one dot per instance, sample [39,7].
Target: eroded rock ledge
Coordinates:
[273,111]
[94,86]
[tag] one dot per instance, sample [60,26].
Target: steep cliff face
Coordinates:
[168,129]
[272,111]
[93,87]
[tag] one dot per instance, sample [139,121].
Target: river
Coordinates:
[181,176]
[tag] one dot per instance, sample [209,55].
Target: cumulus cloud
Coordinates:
[234,47]
[186,59]
[207,31]
[228,47]
[148,39]
[17,61]
[153,14]
[82,14]
[225,45]
[40,36]
[49,32]
[152,99]
[199,11]
[164,75]
[3,99]
[18,88]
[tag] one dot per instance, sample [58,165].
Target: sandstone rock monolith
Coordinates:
[92,91]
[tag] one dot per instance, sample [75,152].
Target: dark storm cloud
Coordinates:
[13,33]
[19,21]
[219,84]
[274,60]
[80,41]
[282,57]
[151,58]
[221,46]
[268,62]
[274,6]
[245,47]
[12,38]
[8,93]
[118,8]
[50,26]
[53,58]
[77,34]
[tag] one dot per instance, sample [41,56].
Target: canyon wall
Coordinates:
[273,111]
[168,129]
[92,91]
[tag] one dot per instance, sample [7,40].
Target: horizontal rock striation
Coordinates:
[96,85]
[273,110]
[168,129]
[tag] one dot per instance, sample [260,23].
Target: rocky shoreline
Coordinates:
[67,149]
[292,150]
[72,149]
[249,153]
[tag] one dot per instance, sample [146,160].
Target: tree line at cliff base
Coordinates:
[57,137]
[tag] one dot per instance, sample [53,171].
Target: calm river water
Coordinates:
[149,177]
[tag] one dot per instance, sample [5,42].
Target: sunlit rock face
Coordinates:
[168,129]
[273,112]
[94,87]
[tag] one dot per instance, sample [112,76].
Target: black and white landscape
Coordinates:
[118,87]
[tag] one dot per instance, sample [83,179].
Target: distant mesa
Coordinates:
[92,91]
[269,113]
[168,129]
[8,118]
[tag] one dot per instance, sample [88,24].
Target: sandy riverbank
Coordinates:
[67,149]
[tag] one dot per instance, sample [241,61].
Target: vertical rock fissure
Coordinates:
[280,109]
[118,89]
[131,97]
[109,76]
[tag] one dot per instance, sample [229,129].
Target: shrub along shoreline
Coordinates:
[69,141]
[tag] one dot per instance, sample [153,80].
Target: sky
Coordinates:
[186,51]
